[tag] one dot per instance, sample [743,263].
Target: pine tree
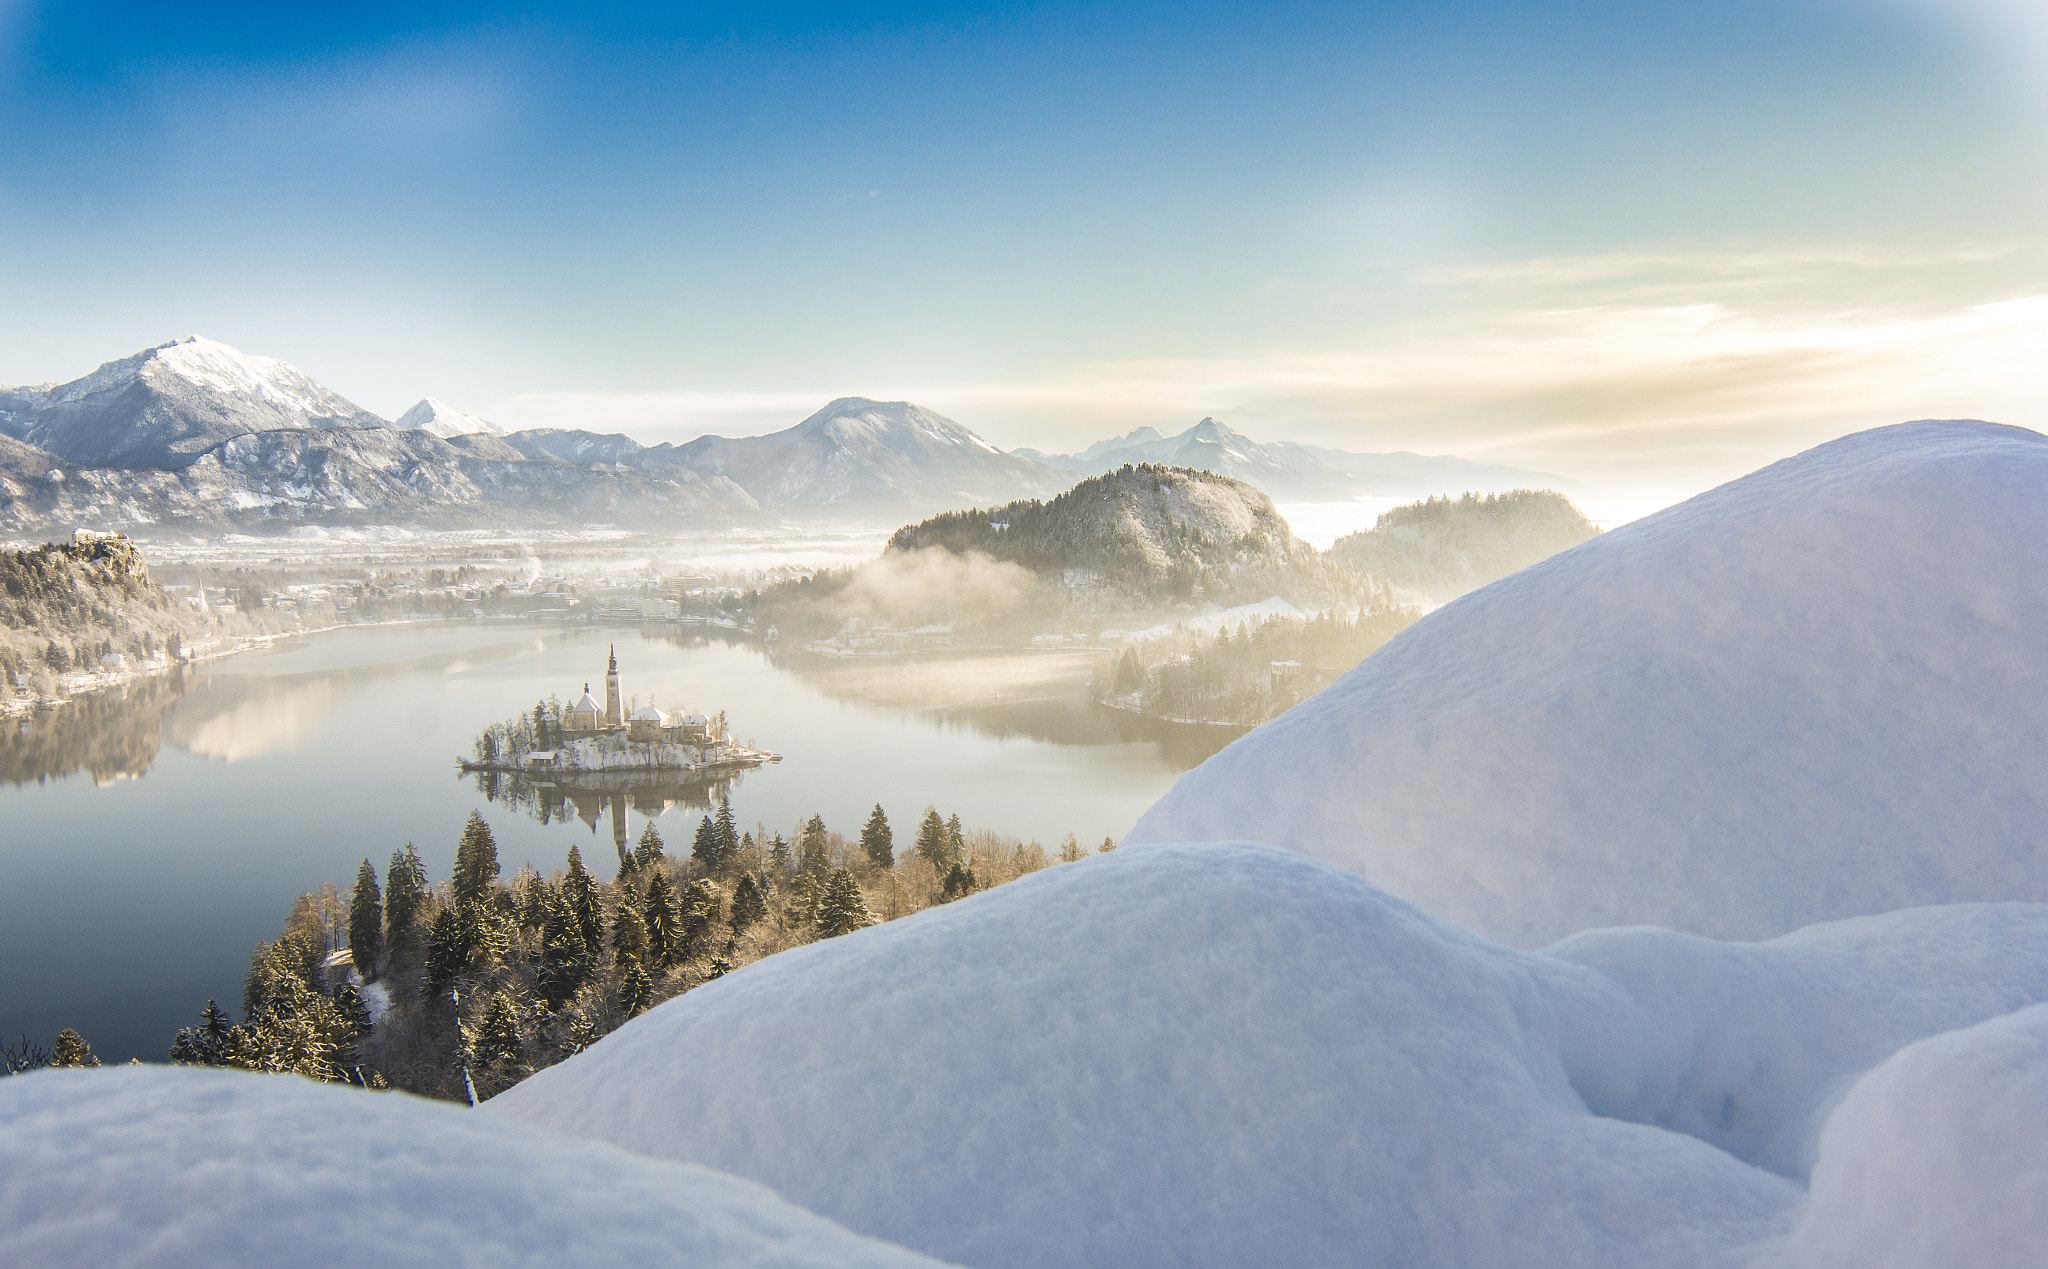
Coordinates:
[564,956]
[749,905]
[476,861]
[496,1041]
[649,850]
[704,849]
[700,906]
[366,923]
[842,909]
[405,896]
[812,858]
[636,989]
[801,911]
[629,936]
[70,1049]
[216,1041]
[530,897]
[956,840]
[875,840]
[579,890]
[959,883]
[1108,845]
[728,837]
[1130,677]
[935,844]
[663,922]
[447,958]
[779,857]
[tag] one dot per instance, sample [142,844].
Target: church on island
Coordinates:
[589,737]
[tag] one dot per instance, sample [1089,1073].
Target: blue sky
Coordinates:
[1639,243]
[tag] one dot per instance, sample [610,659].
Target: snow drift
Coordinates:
[1812,693]
[144,1167]
[1230,1054]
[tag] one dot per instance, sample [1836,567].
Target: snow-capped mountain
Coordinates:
[1294,472]
[277,479]
[573,445]
[165,406]
[1809,694]
[444,420]
[862,457]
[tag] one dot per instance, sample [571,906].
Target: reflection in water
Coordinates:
[606,794]
[269,717]
[1037,696]
[235,717]
[112,734]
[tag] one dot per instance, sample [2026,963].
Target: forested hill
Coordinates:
[1157,532]
[64,606]
[1446,546]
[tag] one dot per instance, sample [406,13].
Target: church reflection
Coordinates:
[603,796]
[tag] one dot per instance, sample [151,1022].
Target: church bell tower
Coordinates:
[614,710]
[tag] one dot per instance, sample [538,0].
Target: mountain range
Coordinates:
[1296,473]
[194,434]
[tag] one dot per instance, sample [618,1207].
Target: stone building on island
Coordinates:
[585,719]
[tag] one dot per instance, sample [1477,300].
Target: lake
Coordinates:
[153,836]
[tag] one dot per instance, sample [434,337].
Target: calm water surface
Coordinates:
[196,808]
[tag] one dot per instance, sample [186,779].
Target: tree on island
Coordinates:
[366,923]
[876,841]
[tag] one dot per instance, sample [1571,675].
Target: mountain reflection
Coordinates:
[1039,696]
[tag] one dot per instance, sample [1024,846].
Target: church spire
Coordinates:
[614,708]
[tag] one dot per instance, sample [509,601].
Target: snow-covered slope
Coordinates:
[444,420]
[1811,693]
[165,406]
[1236,1056]
[1935,1159]
[163,1167]
[862,457]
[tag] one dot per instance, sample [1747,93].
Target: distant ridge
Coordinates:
[193,434]
[1298,473]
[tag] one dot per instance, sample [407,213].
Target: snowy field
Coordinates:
[1354,1004]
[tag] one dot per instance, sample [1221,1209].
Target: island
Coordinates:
[588,739]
